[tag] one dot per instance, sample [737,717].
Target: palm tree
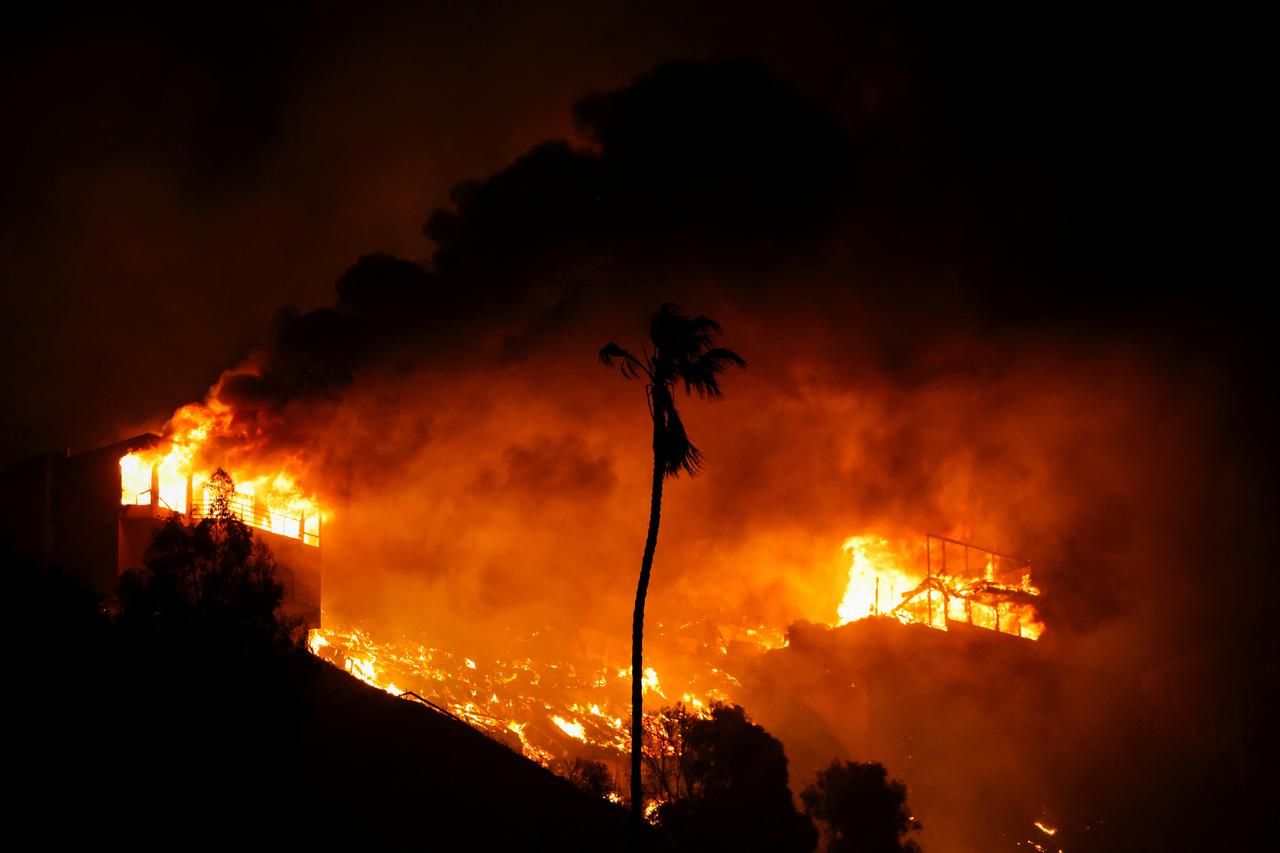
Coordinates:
[682,353]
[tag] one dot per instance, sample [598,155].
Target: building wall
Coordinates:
[65,511]
[87,541]
[27,508]
[299,571]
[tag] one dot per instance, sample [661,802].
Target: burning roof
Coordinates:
[174,473]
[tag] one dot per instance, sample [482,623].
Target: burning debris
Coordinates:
[547,709]
[554,710]
[991,590]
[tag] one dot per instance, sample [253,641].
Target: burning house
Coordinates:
[94,513]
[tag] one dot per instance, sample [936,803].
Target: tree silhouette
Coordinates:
[682,353]
[217,673]
[589,776]
[663,752]
[208,583]
[724,782]
[863,810]
[223,488]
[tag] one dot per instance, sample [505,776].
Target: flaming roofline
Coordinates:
[248,508]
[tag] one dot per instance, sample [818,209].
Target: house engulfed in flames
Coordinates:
[94,514]
[981,588]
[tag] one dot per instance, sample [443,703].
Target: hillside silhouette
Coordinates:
[188,710]
[177,741]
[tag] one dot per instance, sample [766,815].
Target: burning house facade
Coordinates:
[94,514]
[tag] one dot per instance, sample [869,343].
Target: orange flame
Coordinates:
[174,475]
[882,584]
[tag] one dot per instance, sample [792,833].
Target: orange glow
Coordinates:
[877,578]
[534,701]
[570,727]
[650,681]
[175,472]
[135,480]
[910,583]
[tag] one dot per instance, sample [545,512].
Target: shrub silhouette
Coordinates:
[861,809]
[728,780]
[589,776]
[208,583]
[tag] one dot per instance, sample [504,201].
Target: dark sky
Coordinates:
[174,180]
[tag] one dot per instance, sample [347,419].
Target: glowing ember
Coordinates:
[523,702]
[316,641]
[532,704]
[572,729]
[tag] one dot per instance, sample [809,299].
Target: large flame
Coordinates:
[174,475]
[877,578]
[911,582]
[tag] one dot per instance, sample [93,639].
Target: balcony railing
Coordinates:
[254,514]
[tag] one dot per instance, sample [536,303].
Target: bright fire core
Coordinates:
[174,474]
[914,585]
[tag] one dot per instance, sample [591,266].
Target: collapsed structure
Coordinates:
[94,514]
[980,588]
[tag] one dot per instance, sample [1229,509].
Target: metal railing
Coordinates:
[137,500]
[990,584]
[256,515]
[1001,564]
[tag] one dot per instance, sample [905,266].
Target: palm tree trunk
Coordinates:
[637,633]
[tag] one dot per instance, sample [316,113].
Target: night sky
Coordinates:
[175,180]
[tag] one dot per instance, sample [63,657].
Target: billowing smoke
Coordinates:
[914,366]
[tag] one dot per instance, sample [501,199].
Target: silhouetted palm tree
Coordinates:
[682,353]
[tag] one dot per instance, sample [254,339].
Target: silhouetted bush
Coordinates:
[861,809]
[208,583]
[663,754]
[727,782]
[591,777]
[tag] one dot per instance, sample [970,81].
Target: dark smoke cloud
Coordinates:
[902,380]
[725,185]
[721,166]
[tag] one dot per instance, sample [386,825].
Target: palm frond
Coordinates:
[683,351]
[671,442]
[700,375]
[628,364]
[678,337]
